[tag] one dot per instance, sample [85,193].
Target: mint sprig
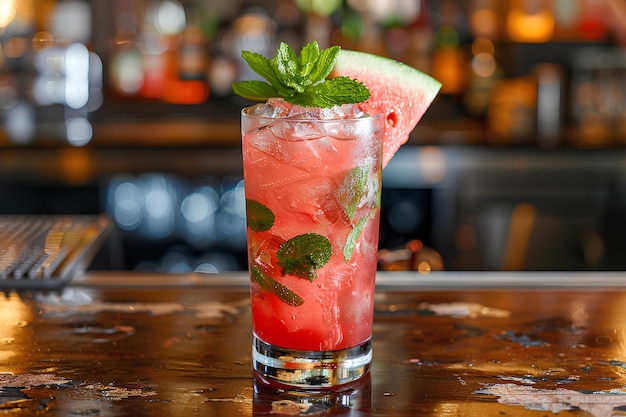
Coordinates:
[300,79]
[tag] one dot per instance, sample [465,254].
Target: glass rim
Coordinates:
[363,117]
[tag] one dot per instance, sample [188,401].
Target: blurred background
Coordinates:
[124,107]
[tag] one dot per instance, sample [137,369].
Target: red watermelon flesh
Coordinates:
[400,91]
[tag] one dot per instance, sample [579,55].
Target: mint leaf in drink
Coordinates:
[300,79]
[302,255]
[258,217]
[269,284]
[352,189]
[353,236]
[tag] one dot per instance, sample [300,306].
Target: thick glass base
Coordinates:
[309,369]
[353,399]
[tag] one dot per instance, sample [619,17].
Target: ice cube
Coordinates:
[280,106]
[299,112]
[361,130]
[306,156]
[264,141]
[312,154]
[345,111]
[297,131]
[274,108]
[261,110]
[312,199]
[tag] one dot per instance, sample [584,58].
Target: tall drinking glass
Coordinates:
[312,203]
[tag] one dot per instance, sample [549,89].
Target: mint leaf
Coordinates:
[302,255]
[308,57]
[258,217]
[300,79]
[261,278]
[324,64]
[352,189]
[262,66]
[269,284]
[287,67]
[255,90]
[332,92]
[353,237]
[286,295]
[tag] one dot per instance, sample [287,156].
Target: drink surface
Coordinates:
[319,182]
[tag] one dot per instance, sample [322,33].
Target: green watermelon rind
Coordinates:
[396,88]
[388,67]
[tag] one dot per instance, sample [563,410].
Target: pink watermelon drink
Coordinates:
[313,265]
[312,161]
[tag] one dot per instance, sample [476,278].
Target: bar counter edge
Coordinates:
[387,280]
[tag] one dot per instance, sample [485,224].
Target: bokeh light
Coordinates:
[7,12]
[202,224]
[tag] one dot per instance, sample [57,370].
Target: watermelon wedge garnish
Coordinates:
[400,91]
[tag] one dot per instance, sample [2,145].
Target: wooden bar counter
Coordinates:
[445,344]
